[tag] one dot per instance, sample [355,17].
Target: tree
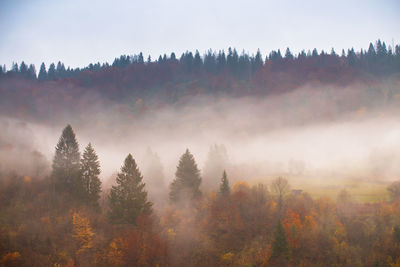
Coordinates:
[187,179]
[42,72]
[140,58]
[83,232]
[23,69]
[128,199]
[280,186]
[66,164]
[154,177]
[90,171]
[288,54]
[280,247]
[216,162]
[51,74]
[31,72]
[60,70]
[224,188]
[258,61]
[394,190]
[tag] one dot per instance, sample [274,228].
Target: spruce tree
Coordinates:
[280,247]
[224,188]
[90,171]
[66,164]
[187,179]
[31,72]
[42,73]
[51,74]
[128,199]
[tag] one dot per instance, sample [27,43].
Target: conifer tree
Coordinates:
[90,170]
[280,247]
[66,164]
[23,69]
[51,74]
[31,72]
[187,179]
[128,199]
[42,72]
[224,188]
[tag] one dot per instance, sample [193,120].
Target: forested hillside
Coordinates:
[215,159]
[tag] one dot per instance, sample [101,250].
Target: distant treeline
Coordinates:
[378,59]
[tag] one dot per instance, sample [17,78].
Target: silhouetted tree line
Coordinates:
[378,59]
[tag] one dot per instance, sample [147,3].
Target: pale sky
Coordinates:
[79,32]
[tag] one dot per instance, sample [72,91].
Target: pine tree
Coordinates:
[31,72]
[66,164]
[51,74]
[187,179]
[224,188]
[216,162]
[258,61]
[280,247]
[90,170]
[288,54]
[23,70]
[128,199]
[42,73]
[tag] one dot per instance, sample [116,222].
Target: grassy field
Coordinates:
[359,189]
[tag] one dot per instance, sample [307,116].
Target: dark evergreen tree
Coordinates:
[217,160]
[60,70]
[90,171]
[280,247]
[288,54]
[66,164]
[221,61]
[128,199]
[31,72]
[23,70]
[173,57]
[187,180]
[210,62]
[258,61]
[1,71]
[314,53]
[224,188]
[197,62]
[42,73]
[140,58]
[244,66]
[15,68]
[351,57]
[51,74]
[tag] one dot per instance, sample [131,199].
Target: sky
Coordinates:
[80,32]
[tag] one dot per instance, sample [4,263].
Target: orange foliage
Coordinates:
[292,225]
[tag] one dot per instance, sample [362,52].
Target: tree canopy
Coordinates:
[128,199]
[186,185]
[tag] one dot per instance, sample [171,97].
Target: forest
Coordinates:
[141,176]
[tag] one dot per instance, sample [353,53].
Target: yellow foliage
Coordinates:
[83,232]
[115,252]
[227,258]
[171,234]
[240,185]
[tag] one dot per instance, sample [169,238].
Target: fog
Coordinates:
[313,132]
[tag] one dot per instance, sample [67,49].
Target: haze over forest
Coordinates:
[214,158]
[268,112]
